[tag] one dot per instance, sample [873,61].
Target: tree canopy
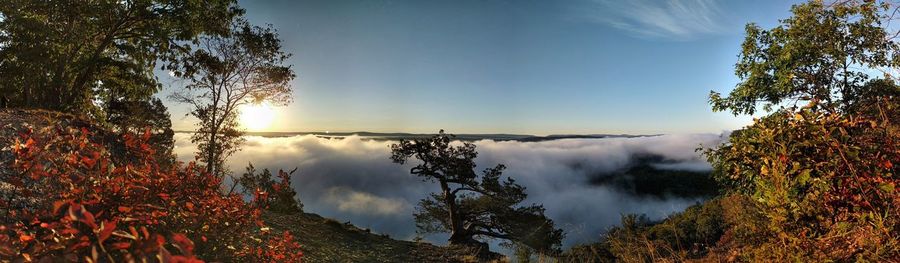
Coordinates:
[823,53]
[225,72]
[70,55]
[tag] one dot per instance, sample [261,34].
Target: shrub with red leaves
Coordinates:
[62,198]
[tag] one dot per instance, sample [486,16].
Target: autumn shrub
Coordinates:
[273,194]
[65,199]
[823,182]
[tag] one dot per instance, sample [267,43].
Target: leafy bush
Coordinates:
[277,196]
[64,198]
[817,182]
[686,235]
[825,182]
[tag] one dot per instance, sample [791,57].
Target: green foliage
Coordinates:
[215,143]
[686,235]
[815,183]
[225,72]
[468,207]
[523,254]
[822,53]
[819,180]
[64,55]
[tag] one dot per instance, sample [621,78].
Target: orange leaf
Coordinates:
[58,204]
[25,238]
[124,209]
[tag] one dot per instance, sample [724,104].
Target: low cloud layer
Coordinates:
[352,178]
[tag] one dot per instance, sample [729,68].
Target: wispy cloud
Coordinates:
[669,19]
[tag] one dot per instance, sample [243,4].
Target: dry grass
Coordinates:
[327,240]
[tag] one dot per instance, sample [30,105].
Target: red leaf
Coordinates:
[88,162]
[78,213]
[125,209]
[184,244]
[121,245]
[146,135]
[106,230]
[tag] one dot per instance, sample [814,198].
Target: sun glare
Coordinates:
[257,117]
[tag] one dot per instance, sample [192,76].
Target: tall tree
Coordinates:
[65,55]
[824,54]
[469,205]
[225,72]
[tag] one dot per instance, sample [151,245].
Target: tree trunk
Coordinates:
[458,235]
[213,130]
[211,153]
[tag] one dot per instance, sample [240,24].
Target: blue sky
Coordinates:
[496,66]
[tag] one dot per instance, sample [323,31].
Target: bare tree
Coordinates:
[227,71]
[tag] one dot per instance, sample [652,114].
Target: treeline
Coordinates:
[815,179]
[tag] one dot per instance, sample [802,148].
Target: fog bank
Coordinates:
[352,178]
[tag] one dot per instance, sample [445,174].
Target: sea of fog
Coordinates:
[352,178]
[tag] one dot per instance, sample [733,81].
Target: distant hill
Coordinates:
[462,137]
[643,177]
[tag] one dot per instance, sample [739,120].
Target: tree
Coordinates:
[469,205]
[823,54]
[227,71]
[65,55]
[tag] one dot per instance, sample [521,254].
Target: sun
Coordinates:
[257,117]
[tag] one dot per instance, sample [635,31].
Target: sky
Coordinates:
[498,66]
